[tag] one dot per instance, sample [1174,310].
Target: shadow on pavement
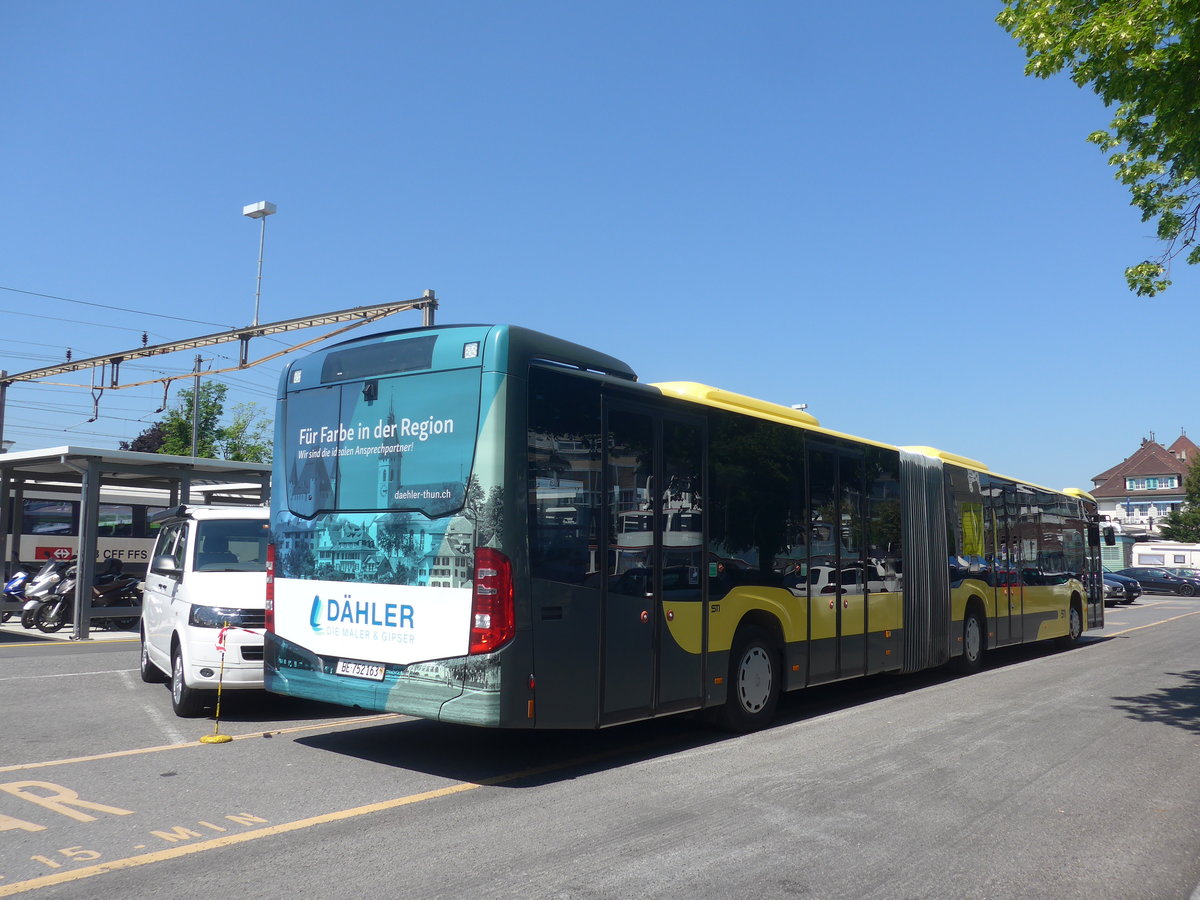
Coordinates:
[1176,704]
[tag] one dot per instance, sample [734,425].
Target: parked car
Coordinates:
[1120,588]
[203,603]
[1162,581]
[825,579]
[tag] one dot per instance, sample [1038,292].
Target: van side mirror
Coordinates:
[165,565]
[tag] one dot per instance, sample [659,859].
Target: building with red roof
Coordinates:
[1135,494]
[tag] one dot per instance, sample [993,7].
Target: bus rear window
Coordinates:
[385,358]
[400,443]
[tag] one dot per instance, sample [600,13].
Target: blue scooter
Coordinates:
[14,591]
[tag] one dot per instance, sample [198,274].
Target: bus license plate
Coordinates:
[356,669]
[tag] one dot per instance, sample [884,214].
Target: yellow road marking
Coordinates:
[144,859]
[132,862]
[1152,624]
[237,737]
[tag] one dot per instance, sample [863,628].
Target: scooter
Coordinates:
[14,591]
[109,588]
[39,588]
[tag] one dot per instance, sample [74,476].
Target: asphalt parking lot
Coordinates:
[1049,773]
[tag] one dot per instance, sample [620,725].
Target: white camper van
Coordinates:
[1166,554]
[203,603]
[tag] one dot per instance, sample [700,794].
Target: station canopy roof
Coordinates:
[213,479]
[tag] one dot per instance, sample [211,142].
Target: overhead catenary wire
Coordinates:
[109,364]
[110,307]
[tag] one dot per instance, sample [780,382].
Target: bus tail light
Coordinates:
[493,620]
[269,611]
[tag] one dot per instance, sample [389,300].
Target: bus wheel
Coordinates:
[974,643]
[1074,628]
[754,682]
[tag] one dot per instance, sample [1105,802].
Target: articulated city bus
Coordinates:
[487,525]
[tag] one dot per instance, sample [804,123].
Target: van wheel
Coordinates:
[187,702]
[151,674]
[754,682]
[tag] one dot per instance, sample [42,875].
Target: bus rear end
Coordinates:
[391,588]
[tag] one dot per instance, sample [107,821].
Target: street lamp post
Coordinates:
[259,211]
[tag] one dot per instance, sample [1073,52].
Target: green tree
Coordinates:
[247,438]
[149,441]
[1142,57]
[1184,524]
[177,426]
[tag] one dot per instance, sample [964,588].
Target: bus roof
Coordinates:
[510,348]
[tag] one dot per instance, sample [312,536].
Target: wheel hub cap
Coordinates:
[754,680]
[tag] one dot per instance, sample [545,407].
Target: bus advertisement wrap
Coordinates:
[380,622]
[382,444]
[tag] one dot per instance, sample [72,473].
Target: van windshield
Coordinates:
[231,545]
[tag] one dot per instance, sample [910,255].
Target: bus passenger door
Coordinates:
[652,608]
[838,574]
[856,580]
[681,635]
[1017,511]
[995,540]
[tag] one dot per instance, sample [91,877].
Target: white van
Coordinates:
[203,603]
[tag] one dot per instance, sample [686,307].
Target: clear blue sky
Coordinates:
[863,206]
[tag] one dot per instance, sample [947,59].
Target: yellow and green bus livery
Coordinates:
[487,525]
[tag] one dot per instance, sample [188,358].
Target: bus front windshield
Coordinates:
[399,443]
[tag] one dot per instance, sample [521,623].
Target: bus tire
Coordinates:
[1074,626]
[151,674]
[187,702]
[974,643]
[755,678]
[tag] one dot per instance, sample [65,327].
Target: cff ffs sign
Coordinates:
[134,554]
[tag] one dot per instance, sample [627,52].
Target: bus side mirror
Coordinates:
[1110,536]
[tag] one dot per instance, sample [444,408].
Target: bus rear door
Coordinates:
[653,610]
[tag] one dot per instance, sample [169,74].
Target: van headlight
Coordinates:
[220,616]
